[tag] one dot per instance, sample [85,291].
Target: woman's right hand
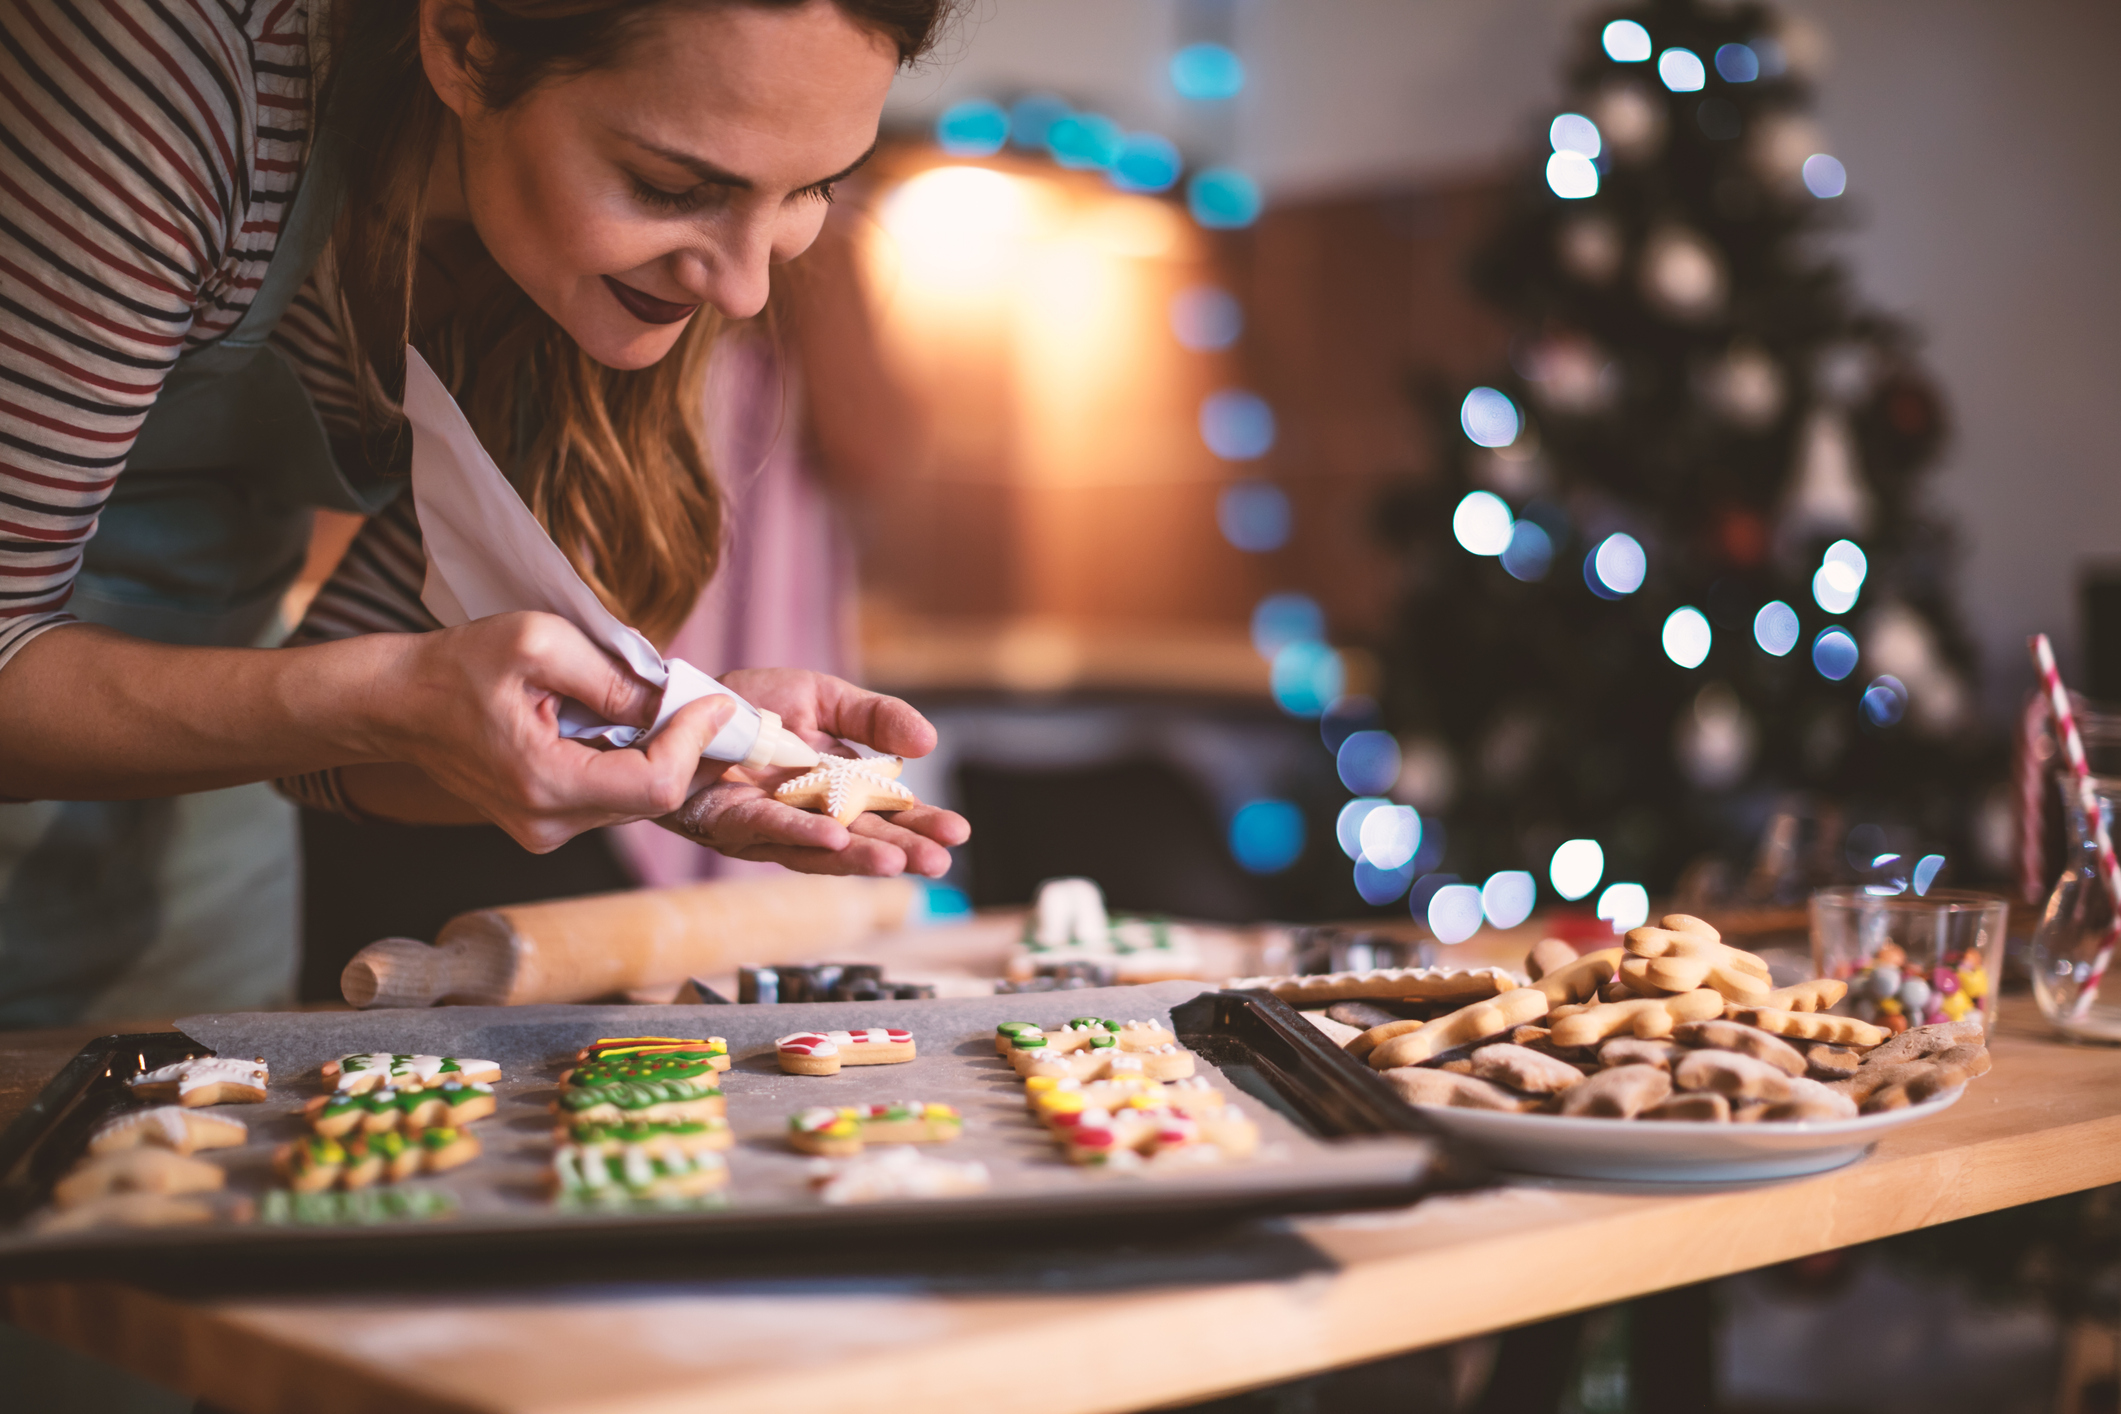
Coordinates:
[476,708]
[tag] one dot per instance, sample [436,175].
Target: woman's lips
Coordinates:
[647,308]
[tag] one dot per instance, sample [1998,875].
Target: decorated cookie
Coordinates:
[692,1136]
[171,1127]
[311,1164]
[453,1102]
[839,1132]
[645,1102]
[388,1157]
[648,1065]
[354,1074]
[714,1048]
[1166,1062]
[824,1052]
[143,1169]
[845,786]
[1133,1135]
[1009,1033]
[895,1174]
[207,1080]
[634,1173]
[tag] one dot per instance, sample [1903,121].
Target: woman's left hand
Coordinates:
[737,815]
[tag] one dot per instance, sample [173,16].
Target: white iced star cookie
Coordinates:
[845,786]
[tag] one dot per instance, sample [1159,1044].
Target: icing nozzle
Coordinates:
[777,747]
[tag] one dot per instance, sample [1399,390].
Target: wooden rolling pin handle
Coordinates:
[394,972]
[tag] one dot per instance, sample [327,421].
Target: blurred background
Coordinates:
[1615,473]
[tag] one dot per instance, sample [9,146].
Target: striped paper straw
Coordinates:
[2088,803]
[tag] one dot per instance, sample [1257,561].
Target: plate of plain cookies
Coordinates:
[1671,1058]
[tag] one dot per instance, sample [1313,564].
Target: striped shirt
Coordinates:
[151,148]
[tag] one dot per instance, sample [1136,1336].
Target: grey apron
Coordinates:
[115,909]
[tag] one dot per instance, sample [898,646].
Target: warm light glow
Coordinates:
[1625,906]
[958,227]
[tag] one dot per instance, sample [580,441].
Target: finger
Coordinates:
[862,856]
[945,827]
[732,818]
[923,856]
[884,723]
[560,658]
[637,784]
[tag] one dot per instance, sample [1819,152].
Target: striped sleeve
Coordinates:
[147,152]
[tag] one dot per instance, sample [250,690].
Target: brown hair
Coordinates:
[613,462]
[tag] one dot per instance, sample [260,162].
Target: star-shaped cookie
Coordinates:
[845,786]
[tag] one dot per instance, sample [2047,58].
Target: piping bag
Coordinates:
[487,554]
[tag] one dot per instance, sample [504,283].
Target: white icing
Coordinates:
[193,1075]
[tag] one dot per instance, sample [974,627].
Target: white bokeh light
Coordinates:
[1455,913]
[1832,589]
[1390,835]
[1482,523]
[1507,898]
[1572,132]
[1824,176]
[1489,418]
[1775,628]
[1625,906]
[1626,42]
[1576,868]
[1572,176]
[1347,827]
[1682,70]
[1848,557]
[1687,636]
[1620,564]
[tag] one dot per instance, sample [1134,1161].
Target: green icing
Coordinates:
[365,1206]
[637,1094]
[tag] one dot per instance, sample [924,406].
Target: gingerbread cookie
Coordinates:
[1734,1076]
[644,1102]
[206,1080]
[824,1052]
[1811,1026]
[1620,1093]
[1685,955]
[1389,1046]
[846,786]
[1449,985]
[144,1169]
[171,1126]
[713,1048]
[1919,1041]
[1704,1107]
[1819,994]
[1897,1085]
[375,1069]
[692,1135]
[1811,1100]
[1420,1085]
[1745,1040]
[1362,1015]
[1338,1032]
[843,1131]
[1825,1061]
[1574,981]
[1648,1018]
[125,1210]
[1632,1050]
[1524,1070]
[633,1173]
[1548,955]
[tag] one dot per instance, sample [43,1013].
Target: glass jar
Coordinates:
[2073,929]
[1911,959]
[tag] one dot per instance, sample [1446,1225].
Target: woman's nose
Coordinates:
[729,270]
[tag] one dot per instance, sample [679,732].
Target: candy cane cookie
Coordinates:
[170,1126]
[824,1052]
[843,1131]
[374,1069]
[206,1080]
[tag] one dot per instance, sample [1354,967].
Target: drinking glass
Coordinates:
[2072,934]
[1911,959]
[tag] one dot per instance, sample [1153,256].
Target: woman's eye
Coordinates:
[649,195]
[821,192]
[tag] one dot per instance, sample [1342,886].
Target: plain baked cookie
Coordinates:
[1418,1085]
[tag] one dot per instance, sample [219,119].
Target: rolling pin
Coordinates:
[584,949]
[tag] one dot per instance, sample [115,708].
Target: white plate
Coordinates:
[1631,1151]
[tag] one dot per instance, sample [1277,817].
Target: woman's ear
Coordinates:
[449,45]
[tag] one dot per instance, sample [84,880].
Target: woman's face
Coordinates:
[624,198]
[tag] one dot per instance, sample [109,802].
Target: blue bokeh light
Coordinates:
[1531,552]
[1266,836]
[1085,141]
[1926,870]
[1682,70]
[1207,73]
[1885,701]
[974,128]
[1379,886]
[1347,826]
[1368,762]
[1346,716]
[1282,619]
[1834,653]
[1146,162]
[1824,176]
[1206,318]
[1306,677]
[1237,426]
[1031,119]
[1737,63]
[1254,516]
[1223,198]
[1775,628]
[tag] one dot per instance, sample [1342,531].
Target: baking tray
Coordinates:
[1333,1137]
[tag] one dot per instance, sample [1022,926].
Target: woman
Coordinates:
[221,228]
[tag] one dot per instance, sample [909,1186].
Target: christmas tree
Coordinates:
[1670,586]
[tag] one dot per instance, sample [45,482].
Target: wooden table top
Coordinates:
[1164,1327]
